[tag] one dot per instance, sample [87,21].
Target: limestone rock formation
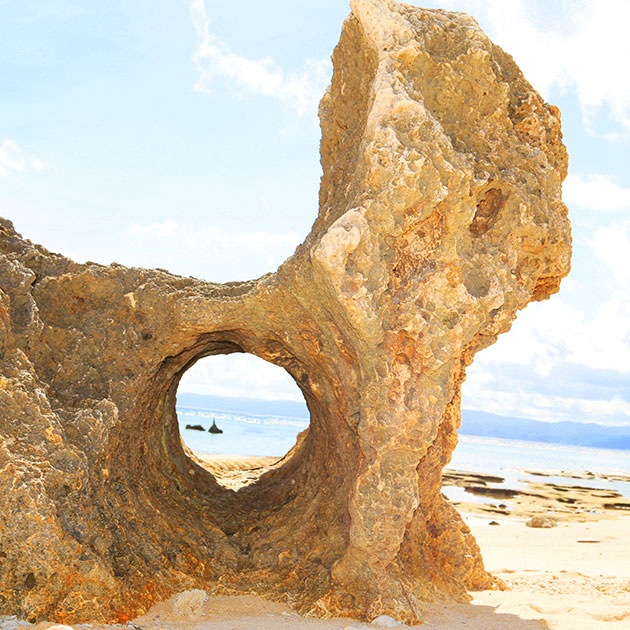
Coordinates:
[440,217]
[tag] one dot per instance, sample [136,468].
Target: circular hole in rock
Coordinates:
[240,415]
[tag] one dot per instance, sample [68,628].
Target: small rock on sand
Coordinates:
[189,604]
[386,621]
[541,521]
[13,623]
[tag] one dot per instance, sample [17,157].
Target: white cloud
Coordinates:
[551,339]
[612,246]
[596,192]
[595,54]
[240,376]
[522,403]
[541,337]
[203,250]
[299,91]
[604,343]
[159,230]
[580,45]
[13,160]
[550,333]
[582,49]
[193,237]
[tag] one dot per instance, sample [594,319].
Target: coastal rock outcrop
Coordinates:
[440,217]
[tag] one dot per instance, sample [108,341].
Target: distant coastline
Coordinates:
[484,424]
[476,423]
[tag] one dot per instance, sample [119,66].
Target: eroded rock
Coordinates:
[541,521]
[440,217]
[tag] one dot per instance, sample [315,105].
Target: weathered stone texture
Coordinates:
[441,217]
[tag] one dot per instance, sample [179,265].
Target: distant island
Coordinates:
[478,423]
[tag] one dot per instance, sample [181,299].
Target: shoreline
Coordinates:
[562,494]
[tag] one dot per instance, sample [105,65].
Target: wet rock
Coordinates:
[214,428]
[621,505]
[460,478]
[497,493]
[541,521]
[440,217]
[194,427]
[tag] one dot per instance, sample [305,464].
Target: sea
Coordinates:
[514,460]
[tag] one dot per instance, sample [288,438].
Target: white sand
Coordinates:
[555,580]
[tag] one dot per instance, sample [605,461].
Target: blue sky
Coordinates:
[182,134]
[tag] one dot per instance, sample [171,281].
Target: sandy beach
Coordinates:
[573,575]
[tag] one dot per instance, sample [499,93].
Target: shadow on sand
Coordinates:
[450,616]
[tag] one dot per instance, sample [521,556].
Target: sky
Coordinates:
[183,134]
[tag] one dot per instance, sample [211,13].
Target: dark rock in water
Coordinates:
[617,506]
[214,428]
[498,493]
[194,427]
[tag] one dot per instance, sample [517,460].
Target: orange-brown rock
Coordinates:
[440,217]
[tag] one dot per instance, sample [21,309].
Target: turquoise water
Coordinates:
[248,434]
[483,454]
[243,433]
[513,459]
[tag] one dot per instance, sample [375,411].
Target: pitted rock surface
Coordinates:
[440,217]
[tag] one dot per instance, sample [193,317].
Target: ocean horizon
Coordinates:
[274,435]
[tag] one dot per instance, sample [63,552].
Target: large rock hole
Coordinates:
[240,416]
